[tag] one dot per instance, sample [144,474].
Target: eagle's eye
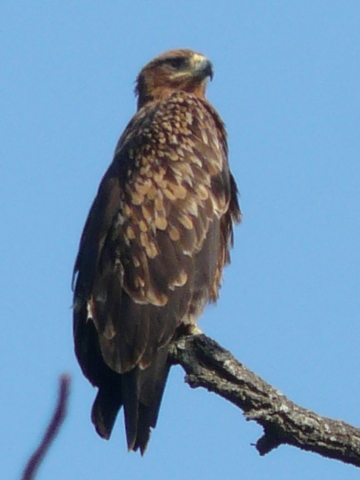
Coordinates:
[177,63]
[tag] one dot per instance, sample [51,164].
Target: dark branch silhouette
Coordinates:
[52,429]
[209,365]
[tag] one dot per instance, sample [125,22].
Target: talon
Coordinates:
[194,330]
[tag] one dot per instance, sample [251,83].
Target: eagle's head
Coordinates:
[175,70]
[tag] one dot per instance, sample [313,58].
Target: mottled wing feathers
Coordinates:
[173,188]
[151,255]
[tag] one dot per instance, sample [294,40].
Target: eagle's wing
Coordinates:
[151,255]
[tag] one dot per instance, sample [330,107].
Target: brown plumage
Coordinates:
[154,244]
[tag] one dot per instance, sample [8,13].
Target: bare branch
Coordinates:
[52,429]
[209,365]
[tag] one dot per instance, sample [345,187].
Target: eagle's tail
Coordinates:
[106,406]
[140,391]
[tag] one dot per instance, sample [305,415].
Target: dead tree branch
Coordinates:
[209,365]
[51,431]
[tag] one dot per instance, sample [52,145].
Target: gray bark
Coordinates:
[210,366]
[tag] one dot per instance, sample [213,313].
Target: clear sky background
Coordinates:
[286,83]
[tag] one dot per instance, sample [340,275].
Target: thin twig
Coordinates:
[52,429]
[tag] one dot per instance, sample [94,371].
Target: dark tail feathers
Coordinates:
[140,391]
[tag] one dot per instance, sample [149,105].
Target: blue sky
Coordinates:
[286,83]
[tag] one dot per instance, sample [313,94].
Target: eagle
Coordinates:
[154,244]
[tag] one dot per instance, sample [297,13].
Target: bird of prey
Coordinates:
[154,244]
